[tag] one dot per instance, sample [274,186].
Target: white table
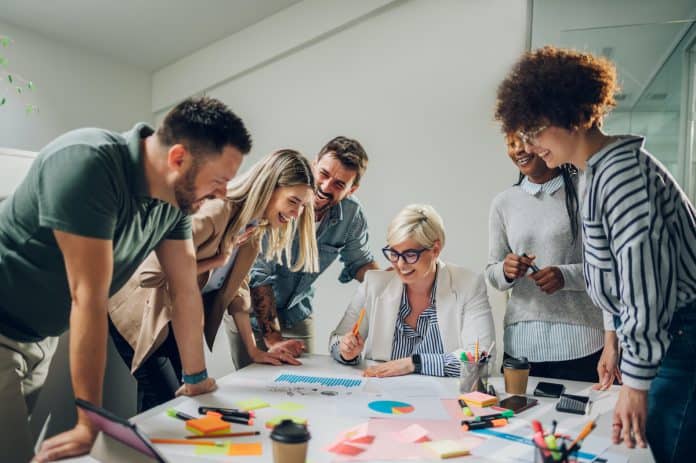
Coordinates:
[325,425]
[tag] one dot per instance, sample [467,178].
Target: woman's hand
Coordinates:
[398,367]
[549,279]
[205,386]
[515,266]
[273,357]
[351,346]
[608,365]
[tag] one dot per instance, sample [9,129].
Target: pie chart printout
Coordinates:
[391,407]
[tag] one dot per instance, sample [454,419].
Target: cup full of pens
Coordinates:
[473,369]
[553,447]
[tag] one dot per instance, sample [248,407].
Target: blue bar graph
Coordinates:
[319,380]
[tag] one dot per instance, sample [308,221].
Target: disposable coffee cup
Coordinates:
[290,442]
[516,373]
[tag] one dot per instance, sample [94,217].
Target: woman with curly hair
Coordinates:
[639,237]
[549,319]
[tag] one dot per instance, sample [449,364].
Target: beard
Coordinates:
[328,197]
[185,191]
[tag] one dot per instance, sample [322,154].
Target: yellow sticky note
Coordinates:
[289,406]
[252,404]
[245,449]
[447,448]
[211,450]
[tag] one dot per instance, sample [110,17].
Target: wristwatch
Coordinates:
[417,365]
[195,378]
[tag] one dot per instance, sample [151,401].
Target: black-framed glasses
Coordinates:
[530,137]
[410,256]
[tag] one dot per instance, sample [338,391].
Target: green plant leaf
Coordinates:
[30,85]
[2,101]
[3,61]
[10,78]
[19,90]
[29,109]
[5,41]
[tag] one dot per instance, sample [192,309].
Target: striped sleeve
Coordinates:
[645,259]
[439,364]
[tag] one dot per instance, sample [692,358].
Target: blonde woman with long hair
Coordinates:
[270,202]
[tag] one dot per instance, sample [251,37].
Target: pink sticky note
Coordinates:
[344,448]
[359,435]
[412,434]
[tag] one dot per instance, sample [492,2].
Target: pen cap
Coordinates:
[289,432]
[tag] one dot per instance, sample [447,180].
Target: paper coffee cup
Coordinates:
[516,373]
[290,442]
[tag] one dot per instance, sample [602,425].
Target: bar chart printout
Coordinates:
[328,382]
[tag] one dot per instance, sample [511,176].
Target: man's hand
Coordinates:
[608,365]
[351,345]
[548,279]
[275,356]
[294,347]
[245,235]
[515,266]
[398,367]
[630,416]
[77,441]
[205,386]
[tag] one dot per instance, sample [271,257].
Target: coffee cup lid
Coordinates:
[289,432]
[516,363]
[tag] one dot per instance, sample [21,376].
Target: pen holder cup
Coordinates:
[544,455]
[473,377]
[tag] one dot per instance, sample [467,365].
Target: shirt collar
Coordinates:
[623,141]
[134,138]
[549,187]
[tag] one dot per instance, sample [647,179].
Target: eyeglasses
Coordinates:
[410,256]
[530,137]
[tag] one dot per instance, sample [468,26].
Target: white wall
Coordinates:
[415,83]
[74,89]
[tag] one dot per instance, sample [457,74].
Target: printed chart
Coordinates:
[391,407]
[318,381]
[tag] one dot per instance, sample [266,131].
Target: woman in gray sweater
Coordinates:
[536,252]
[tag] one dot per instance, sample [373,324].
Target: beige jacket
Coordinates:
[142,309]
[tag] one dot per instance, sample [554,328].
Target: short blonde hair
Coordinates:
[419,222]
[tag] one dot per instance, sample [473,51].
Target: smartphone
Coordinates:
[553,390]
[518,403]
[577,404]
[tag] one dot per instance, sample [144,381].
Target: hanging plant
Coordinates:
[12,81]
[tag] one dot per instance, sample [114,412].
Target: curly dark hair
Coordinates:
[558,87]
[205,126]
[349,152]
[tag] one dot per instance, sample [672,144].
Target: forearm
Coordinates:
[264,305]
[88,332]
[187,323]
[360,274]
[241,319]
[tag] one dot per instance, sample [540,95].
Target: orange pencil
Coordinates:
[159,440]
[584,433]
[476,352]
[356,327]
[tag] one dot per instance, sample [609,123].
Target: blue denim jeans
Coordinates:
[671,426]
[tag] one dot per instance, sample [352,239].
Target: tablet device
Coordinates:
[119,429]
[553,390]
[518,403]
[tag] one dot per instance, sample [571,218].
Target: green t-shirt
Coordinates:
[88,182]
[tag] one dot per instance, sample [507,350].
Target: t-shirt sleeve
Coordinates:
[77,193]
[182,229]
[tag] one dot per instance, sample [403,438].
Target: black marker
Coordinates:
[532,266]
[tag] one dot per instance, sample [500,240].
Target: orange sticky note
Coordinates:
[343,448]
[246,449]
[208,425]
[479,399]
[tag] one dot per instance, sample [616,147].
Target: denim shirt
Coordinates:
[342,233]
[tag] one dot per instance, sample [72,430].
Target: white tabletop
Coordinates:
[325,424]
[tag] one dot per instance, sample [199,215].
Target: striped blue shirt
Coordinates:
[424,340]
[639,232]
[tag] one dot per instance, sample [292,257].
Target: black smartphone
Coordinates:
[518,403]
[553,390]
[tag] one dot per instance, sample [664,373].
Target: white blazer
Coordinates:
[463,312]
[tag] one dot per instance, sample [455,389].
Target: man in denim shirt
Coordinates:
[282,299]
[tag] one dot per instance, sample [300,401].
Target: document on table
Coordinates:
[409,386]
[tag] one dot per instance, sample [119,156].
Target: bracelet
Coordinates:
[195,378]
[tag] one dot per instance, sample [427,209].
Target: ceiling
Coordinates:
[149,34]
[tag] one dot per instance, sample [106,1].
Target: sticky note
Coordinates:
[289,406]
[479,399]
[344,448]
[208,425]
[412,434]
[275,421]
[447,448]
[359,435]
[202,450]
[245,449]
[252,404]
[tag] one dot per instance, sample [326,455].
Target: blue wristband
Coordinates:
[195,378]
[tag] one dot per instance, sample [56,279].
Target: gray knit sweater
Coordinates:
[539,225]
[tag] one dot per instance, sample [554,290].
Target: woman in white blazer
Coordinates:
[422,313]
